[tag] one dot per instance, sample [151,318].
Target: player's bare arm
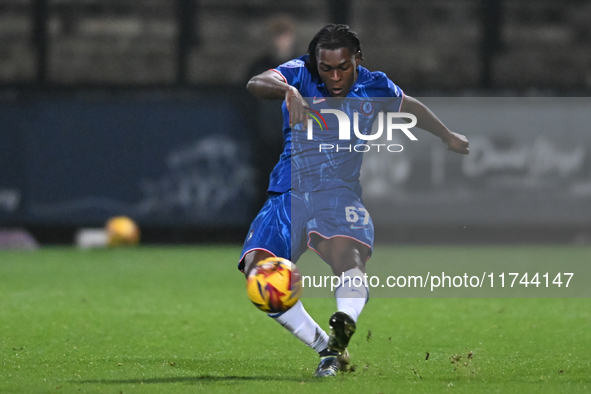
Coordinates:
[271,86]
[428,121]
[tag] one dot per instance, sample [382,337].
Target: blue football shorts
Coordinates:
[290,223]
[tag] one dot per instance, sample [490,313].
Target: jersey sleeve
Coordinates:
[294,73]
[395,91]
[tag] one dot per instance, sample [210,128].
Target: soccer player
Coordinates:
[308,195]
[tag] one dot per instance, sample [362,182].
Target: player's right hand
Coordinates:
[295,106]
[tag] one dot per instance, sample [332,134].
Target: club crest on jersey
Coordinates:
[366,108]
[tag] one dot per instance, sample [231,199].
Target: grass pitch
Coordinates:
[175,320]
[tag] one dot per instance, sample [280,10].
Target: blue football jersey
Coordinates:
[303,165]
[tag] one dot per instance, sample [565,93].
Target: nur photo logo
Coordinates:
[353,130]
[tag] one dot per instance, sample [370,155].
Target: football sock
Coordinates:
[352,294]
[297,321]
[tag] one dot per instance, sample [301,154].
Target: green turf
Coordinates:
[175,320]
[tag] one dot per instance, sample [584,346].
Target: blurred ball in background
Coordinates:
[122,230]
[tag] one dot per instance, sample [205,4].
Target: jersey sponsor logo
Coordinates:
[318,100]
[295,63]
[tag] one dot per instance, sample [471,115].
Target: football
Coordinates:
[274,285]
[121,230]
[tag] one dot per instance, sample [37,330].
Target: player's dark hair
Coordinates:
[332,37]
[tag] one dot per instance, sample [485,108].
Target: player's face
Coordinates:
[338,70]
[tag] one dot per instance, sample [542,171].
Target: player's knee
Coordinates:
[345,259]
[342,266]
[252,258]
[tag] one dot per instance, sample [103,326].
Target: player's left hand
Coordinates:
[457,143]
